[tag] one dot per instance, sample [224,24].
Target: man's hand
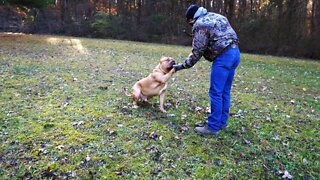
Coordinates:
[178,67]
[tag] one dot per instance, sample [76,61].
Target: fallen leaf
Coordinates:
[60,147]
[276,137]
[198,108]
[171,115]
[184,116]
[268,117]
[218,162]
[88,158]
[286,175]
[63,160]
[109,115]
[264,142]
[172,165]
[73,174]
[243,129]
[78,123]
[256,126]
[103,87]
[246,141]
[111,132]
[154,135]
[286,144]
[184,128]
[264,88]
[305,162]
[240,113]
[41,149]
[208,110]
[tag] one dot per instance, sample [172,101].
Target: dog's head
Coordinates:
[166,63]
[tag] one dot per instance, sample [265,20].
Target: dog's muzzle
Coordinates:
[172,63]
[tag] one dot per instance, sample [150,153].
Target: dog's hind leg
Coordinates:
[136,92]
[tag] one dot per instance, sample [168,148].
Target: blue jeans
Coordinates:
[222,74]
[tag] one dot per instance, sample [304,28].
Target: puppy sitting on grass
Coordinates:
[155,84]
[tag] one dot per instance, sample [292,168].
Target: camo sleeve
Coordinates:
[199,44]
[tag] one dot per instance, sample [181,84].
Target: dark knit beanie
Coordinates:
[191,11]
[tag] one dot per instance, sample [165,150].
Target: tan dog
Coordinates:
[155,84]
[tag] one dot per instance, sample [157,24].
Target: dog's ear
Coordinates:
[162,57]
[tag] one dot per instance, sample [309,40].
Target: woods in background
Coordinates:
[280,27]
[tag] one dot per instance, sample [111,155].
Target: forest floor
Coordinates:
[64,114]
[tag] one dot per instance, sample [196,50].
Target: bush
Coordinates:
[106,25]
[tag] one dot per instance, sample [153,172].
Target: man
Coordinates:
[214,39]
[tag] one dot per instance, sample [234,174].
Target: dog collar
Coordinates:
[162,70]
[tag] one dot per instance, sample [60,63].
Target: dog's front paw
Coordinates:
[162,110]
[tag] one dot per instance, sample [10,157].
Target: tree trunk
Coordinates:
[315,25]
[230,10]
[242,8]
[139,13]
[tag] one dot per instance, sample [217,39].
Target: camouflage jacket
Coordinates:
[212,34]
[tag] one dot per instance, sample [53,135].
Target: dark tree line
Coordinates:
[281,27]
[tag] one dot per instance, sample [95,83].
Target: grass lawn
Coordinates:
[64,114]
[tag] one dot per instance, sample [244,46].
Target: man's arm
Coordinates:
[199,44]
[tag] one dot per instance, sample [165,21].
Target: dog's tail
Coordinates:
[125,90]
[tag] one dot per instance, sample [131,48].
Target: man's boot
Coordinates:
[205,131]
